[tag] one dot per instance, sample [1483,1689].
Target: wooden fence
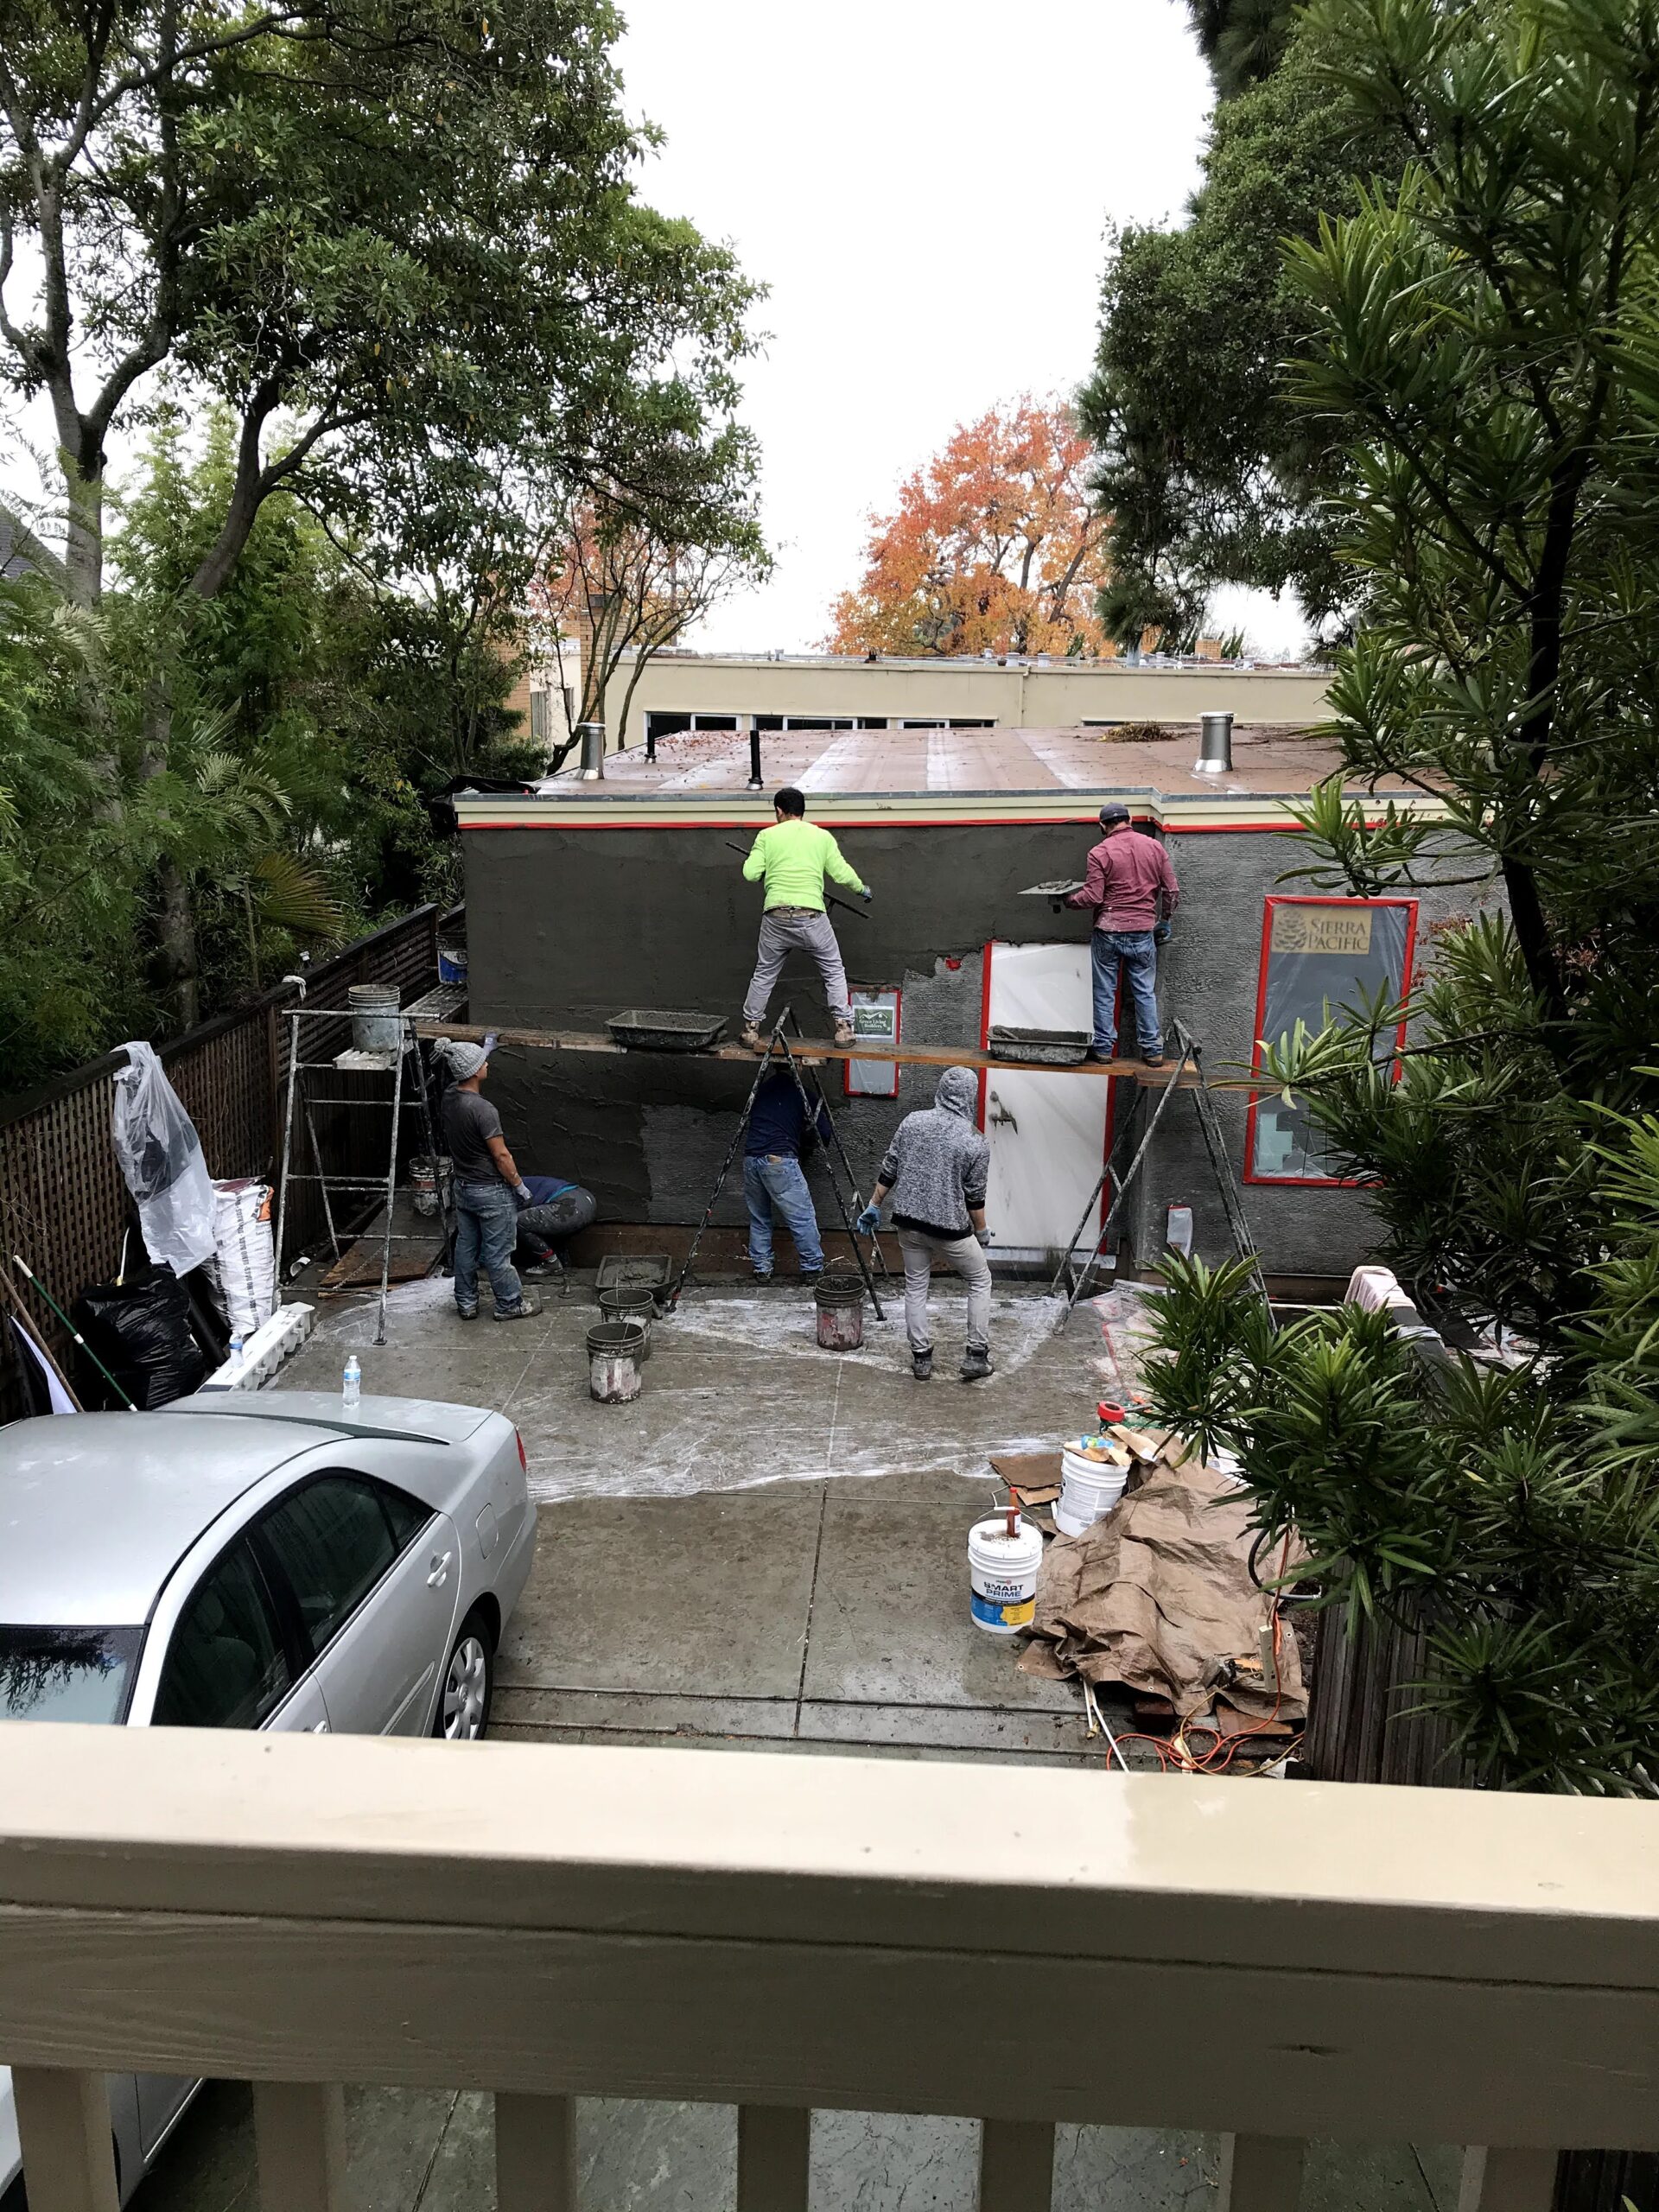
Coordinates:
[63,1204]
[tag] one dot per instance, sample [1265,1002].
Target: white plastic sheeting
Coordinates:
[1047,1132]
[160,1155]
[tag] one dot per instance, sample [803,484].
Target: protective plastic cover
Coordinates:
[160,1154]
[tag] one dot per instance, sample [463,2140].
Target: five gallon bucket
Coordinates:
[1088,1489]
[1002,1574]
[616,1351]
[840,1313]
[631,1302]
[375,1026]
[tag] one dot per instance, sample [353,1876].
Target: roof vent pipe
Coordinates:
[755,784]
[1215,745]
[593,751]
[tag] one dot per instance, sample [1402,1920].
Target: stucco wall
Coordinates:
[567,926]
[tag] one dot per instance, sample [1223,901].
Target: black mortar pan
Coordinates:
[1041,1048]
[659,1029]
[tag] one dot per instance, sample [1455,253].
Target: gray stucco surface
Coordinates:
[568,926]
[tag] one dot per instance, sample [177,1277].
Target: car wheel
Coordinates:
[468,1684]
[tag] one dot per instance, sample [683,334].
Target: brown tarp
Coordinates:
[1158,1595]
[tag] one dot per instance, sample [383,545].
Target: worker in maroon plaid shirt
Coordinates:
[1131,888]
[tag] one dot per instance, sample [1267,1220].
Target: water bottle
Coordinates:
[236,1354]
[351,1389]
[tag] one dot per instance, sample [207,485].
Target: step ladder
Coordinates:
[1075,1278]
[407,1068]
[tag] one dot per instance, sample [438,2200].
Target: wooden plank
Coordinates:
[1507,2181]
[1261,2173]
[535,2154]
[813,1051]
[1016,2165]
[63,2124]
[774,2145]
[299,2134]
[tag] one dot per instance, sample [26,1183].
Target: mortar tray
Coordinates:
[1061,888]
[660,1029]
[634,1271]
[1040,1048]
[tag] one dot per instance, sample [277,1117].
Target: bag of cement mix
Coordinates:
[246,1271]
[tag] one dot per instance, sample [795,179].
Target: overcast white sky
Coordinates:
[926,188]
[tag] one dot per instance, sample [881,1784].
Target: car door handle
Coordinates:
[319,1728]
[439,1573]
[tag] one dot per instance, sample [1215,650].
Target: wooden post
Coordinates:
[773,2143]
[1261,2173]
[300,2132]
[535,2154]
[1507,2181]
[63,2123]
[1016,2165]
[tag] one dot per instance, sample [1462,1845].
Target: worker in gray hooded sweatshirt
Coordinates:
[935,1169]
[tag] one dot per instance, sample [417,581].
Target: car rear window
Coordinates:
[66,1673]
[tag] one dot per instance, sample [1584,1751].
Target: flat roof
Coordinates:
[1267,757]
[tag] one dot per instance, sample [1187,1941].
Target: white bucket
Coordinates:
[1002,1575]
[1089,1489]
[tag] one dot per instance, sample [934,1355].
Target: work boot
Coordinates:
[921,1364]
[525,1310]
[845,1032]
[977,1363]
[809,1276]
[466,1312]
[753,1038]
[1154,1058]
[1094,1052]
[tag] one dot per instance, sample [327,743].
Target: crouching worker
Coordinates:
[556,1211]
[781,1132]
[935,1169]
[489,1190]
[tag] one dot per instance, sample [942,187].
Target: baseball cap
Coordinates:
[1114,810]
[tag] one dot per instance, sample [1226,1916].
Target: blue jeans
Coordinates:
[1135,950]
[775,1179]
[486,1226]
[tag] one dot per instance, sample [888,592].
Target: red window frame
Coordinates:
[1274,901]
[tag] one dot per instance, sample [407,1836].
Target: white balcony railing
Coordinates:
[776,1932]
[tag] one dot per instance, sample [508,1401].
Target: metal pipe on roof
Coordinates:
[1215,745]
[593,751]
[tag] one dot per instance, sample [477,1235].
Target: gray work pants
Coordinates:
[784,930]
[967,1255]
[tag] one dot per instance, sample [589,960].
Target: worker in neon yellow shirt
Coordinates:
[793,857]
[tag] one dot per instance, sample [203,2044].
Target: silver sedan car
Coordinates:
[242,1561]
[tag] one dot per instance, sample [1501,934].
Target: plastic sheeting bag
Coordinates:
[160,1152]
[246,1284]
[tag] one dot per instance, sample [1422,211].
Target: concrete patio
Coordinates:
[766,1550]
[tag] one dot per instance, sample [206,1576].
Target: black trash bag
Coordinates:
[140,1329]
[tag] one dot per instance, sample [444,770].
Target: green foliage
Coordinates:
[1490,1506]
[1243,40]
[1210,474]
[1486,343]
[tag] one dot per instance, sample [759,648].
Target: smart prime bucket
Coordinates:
[375,1026]
[633,1302]
[615,1356]
[1088,1489]
[840,1313]
[1002,1574]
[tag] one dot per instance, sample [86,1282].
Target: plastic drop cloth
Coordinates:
[1157,1594]
[160,1155]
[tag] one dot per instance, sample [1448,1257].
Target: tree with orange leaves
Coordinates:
[993,547]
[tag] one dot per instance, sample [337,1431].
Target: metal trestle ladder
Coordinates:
[1075,1278]
[354,1190]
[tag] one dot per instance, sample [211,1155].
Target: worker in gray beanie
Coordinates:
[936,1168]
[489,1190]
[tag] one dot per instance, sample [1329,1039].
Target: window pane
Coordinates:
[407,1517]
[1320,958]
[225,1667]
[332,1540]
[65,1673]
